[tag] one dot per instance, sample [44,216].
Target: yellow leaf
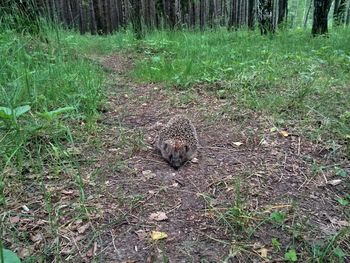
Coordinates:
[273,129]
[263,252]
[284,133]
[156,235]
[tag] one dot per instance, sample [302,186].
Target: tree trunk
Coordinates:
[307,14]
[265,8]
[172,14]
[202,15]
[136,18]
[98,16]
[251,14]
[282,11]
[211,13]
[320,23]
[339,12]
[93,18]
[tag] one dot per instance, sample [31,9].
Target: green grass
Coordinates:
[95,44]
[50,97]
[293,77]
[46,78]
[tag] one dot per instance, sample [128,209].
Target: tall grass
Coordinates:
[291,75]
[46,78]
[46,89]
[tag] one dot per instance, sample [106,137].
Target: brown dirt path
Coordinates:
[216,206]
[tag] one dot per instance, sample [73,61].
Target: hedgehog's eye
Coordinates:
[166,145]
[187,148]
[170,157]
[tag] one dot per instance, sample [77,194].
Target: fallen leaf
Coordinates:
[148,174]
[25,209]
[263,252]
[83,228]
[194,160]
[334,182]
[158,216]
[90,252]
[264,142]
[273,129]
[156,235]
[14,219]
[141,234]
[36,238]
[237,143]
[112,150]
[24,252]
[284,133]
[67,192]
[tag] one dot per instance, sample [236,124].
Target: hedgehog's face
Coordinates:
[175,152]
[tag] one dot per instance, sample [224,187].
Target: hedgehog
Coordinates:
[178,141]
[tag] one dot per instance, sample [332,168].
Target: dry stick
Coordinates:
[303,182]
[75,243]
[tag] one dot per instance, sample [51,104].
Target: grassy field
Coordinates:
[52,94]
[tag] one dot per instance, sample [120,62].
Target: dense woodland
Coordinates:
[107,16]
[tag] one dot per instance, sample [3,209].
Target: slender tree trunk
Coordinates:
[172,14]
[282,11]
[307,14]
[93,18]
[320,23]
[136,18]
[265,8]
[211,13]
[339,12]
[251,14]
[202,15]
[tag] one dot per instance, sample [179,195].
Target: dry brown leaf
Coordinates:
[36,238]
[113,150]
[141,234]
[194,160]
[67,192]
[14,219]
[24,252]
[148,174]
[83,228]
[284,133]
[334,182]
[25,209]
[157,235]
[158,216]
[263,252]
